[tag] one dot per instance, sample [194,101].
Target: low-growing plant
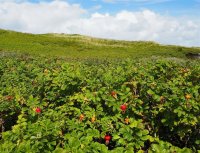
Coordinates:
[50,105]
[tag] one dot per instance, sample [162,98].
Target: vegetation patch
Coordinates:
[54,105]
[84,47]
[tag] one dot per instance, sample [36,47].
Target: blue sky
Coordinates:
[164,21]
[172,7]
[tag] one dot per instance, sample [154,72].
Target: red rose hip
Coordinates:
[107,138]
[123,108]
[38,110]
[9,98]
[81,117]
[114,94]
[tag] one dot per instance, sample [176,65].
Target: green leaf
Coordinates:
[115,137]
[133,124]
[150,92]
[122,141]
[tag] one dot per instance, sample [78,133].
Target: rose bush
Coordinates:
[51,105]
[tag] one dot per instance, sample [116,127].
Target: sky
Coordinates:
[174,22]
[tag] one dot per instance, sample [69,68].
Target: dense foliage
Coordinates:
[50,105]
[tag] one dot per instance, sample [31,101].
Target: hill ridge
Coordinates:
[79,46]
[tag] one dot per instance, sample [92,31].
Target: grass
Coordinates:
[78,46]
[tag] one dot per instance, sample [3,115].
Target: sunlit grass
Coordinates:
[78,46]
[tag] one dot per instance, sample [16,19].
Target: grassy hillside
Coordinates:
[78,46]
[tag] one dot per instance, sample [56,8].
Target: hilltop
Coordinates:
[79,46]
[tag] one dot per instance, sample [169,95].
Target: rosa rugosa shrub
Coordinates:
[54,105]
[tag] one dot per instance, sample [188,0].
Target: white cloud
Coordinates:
[62,17]
[39,17]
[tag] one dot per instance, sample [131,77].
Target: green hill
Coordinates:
[78,46]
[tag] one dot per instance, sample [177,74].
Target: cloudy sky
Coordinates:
[164,21]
